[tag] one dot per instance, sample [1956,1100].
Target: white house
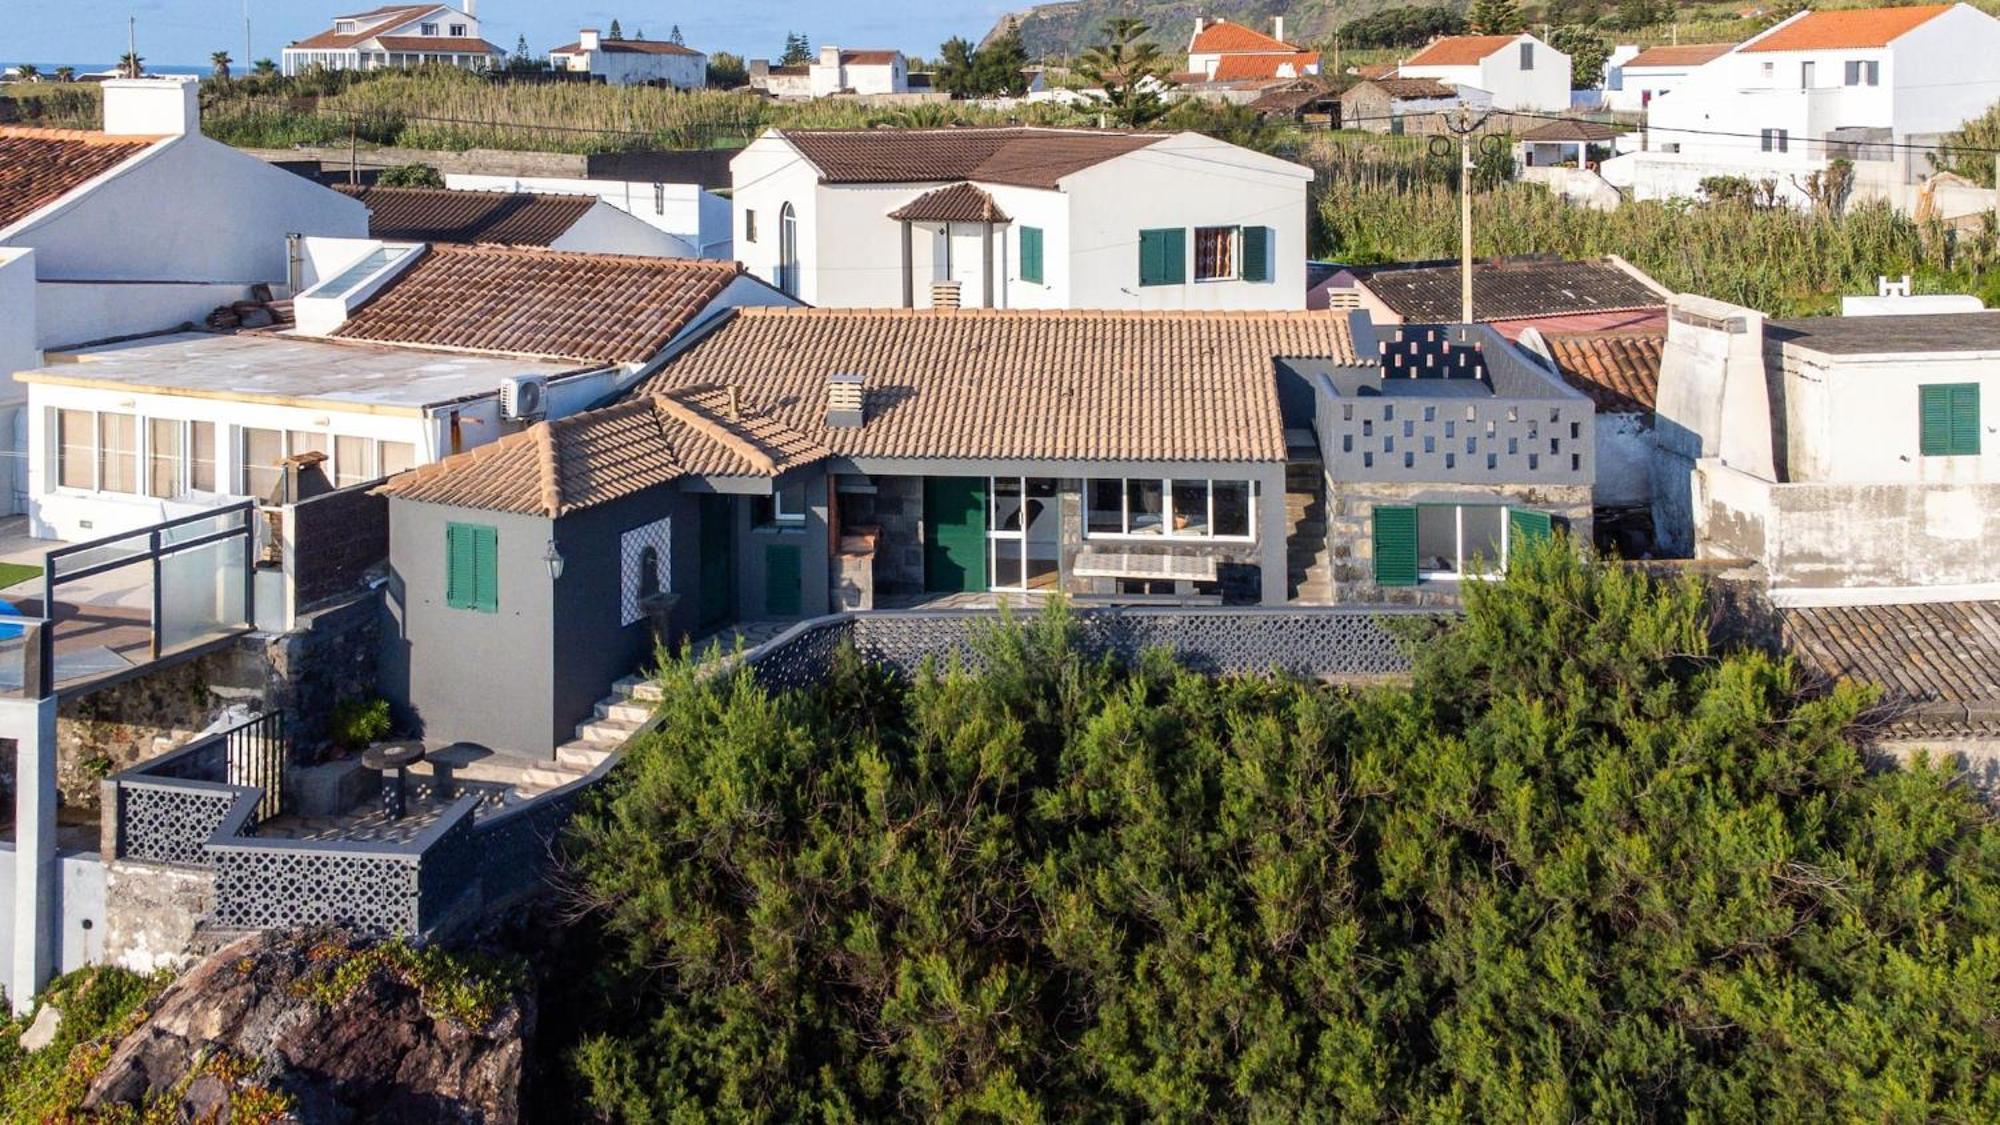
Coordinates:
[697,219]
[1857,458]
[148,224]
[400,35]
[1021,218]
[1631,84]
[583,223]
[1520,71]
[835,71]
[402,354]
[1221,51]
[1860,84]
[633,62]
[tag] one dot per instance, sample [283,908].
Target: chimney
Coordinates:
[1278,28]
[587,39]
[843,401]
[760,68]
[152,107]
[471,9]
[1199,23]
[829,56]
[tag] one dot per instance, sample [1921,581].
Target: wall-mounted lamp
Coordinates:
[554,559]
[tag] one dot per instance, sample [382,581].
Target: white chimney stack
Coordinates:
[1199,23]
[587,39]
[1278,28]
[472,9]
[829,56]
[152,107]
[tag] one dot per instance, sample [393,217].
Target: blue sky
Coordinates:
[173,32]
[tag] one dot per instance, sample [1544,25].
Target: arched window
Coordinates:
[649,572]
[788,251]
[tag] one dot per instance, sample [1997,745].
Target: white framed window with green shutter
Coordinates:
[472,567]
[1032,270]
[1948,419]
[1451,542]
[1163,256]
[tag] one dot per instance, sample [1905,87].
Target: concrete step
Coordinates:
[611,733]
[543,779]
[582,755]
[624,711]
[638,687]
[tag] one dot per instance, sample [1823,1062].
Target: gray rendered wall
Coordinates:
[457,674]
[811,540]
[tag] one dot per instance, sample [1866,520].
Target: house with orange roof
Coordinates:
[397,36]
[1520,71]
[1221,51]
[1870,85]
[1632,82]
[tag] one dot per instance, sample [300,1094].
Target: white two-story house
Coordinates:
[1221,51]
[1631,84]
[1861,84]
[399,35]
[835,71]
[633,62]
[1021,218]
[1520,71]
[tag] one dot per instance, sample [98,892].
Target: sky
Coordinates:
[185,32]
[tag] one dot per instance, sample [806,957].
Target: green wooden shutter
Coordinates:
[1934,417]
[459,576]
[1395,546]
[486,568]
[1031,254]
[1256,253]
[1163,256]
[1525,526]
[1965,419]
[782,574]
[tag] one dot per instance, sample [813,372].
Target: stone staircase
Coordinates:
[1308,562]
[618,717]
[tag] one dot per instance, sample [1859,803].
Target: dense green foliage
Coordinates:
[1973,149]
[1131,70]
[358,723]
[99,1007]
[1403,27]
[1787,262]
[992,70]
[1582,868]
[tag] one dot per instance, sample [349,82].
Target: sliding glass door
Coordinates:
[1023,533]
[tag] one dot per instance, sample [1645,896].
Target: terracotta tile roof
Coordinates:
[1223,37]
[1686,54]
[1025,157]
[569,464]
[1293,99]
[1412,89]
[1621,374]
[40,166]
[440,44]
[1939,663]
[869,58]
[959,203]
[1376,70]
[629,47]
[1245,68]
[1571,129]
[367,24]
[1853,27]
[591,308]
[444,215]
[1511,290]
[1459,50]
[1020,384]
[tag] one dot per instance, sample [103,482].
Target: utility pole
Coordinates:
[132,46]
[1463,124]
[246,38]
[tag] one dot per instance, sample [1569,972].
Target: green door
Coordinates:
[782,572]
[954,534]
[716,598]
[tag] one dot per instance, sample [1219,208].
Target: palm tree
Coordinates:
[65,74]
[264,68]
[218,64]
[1130,71]
[130,65]
[28,72]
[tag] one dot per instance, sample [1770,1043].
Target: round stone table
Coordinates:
[394,759]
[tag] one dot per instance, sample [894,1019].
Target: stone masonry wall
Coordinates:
[1350,530]
[330,657]
[150,913]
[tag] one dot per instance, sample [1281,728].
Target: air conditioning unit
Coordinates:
[524,396]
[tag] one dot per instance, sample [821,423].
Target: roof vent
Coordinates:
[944,294]
[843,400]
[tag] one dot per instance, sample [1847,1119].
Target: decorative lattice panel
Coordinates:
[632,546]
[275,888]
[163,824]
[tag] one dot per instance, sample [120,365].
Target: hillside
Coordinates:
[1063,29]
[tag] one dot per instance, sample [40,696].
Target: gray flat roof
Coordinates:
[1933,333]
[289,369]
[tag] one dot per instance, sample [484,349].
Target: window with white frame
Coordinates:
[1215,254]
[659,199]
[1527,56]
[1769,70]
[1777,140]
[1461,540]
[458,31]
[1179,508]
[427,29]
[1863,72]
[784,507]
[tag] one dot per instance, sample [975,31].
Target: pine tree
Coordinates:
[616,32]
[674,36]
[1495,17]
[1131,72]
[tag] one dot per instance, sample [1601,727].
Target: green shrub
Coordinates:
[1583,867]
[410,175]
[357,724]
[99,1006]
